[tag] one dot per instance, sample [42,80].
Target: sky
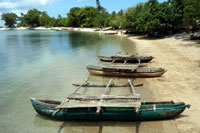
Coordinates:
[55,7]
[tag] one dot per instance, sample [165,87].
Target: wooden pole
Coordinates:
[113,61]
[132,87]
[106,92]
[104,85]
[107,89]
[81,85]
[118,53]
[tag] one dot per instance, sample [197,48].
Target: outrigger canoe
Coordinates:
[107,107]
[112,112]
[124,71]
[126,58]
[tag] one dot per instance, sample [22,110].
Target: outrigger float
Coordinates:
[107,107]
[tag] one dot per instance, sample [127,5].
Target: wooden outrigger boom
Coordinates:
[104,85]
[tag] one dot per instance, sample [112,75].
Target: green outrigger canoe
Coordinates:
[107,107]
[147,111]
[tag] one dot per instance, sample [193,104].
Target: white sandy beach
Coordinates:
[181,82]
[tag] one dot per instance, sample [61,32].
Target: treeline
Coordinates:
[156,18]
[33,18]
[151,18]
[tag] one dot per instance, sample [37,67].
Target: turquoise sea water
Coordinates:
[44,64]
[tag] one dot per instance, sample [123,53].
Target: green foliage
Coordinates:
[52,22]
[155,18]
[9,18]
[102,20]
[83,17]
[151,17]
[32,17]
[191,14]
[74,17]
[37,18]
[44,19]
[136,18]
[60,21]
[22,24]
[116,19]
[88,15]
[177,14]
[116,22]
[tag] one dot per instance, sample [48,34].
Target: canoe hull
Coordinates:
[128,60]
[147,112]
[121,74]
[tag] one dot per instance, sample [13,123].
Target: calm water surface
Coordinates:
[44,64]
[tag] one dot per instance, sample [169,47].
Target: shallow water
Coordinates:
[44,64]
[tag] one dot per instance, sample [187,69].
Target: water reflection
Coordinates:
[79,39]
[90,40]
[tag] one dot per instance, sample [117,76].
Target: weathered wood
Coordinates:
[81,85]
[113,61]
[77,96]
[132,87]
[104,85]
[125,68]
[129,72]
[107,89]
[107,97]
[128,58]
[146,112]
[98,109]
[106,92]
[98,105]
[122,67]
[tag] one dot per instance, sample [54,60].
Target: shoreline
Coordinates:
[106,30]
[181,82]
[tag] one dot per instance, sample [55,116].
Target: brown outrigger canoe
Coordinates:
[126,58]
[125,71]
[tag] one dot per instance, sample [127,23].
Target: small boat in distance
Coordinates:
[125,71]
[110,112]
